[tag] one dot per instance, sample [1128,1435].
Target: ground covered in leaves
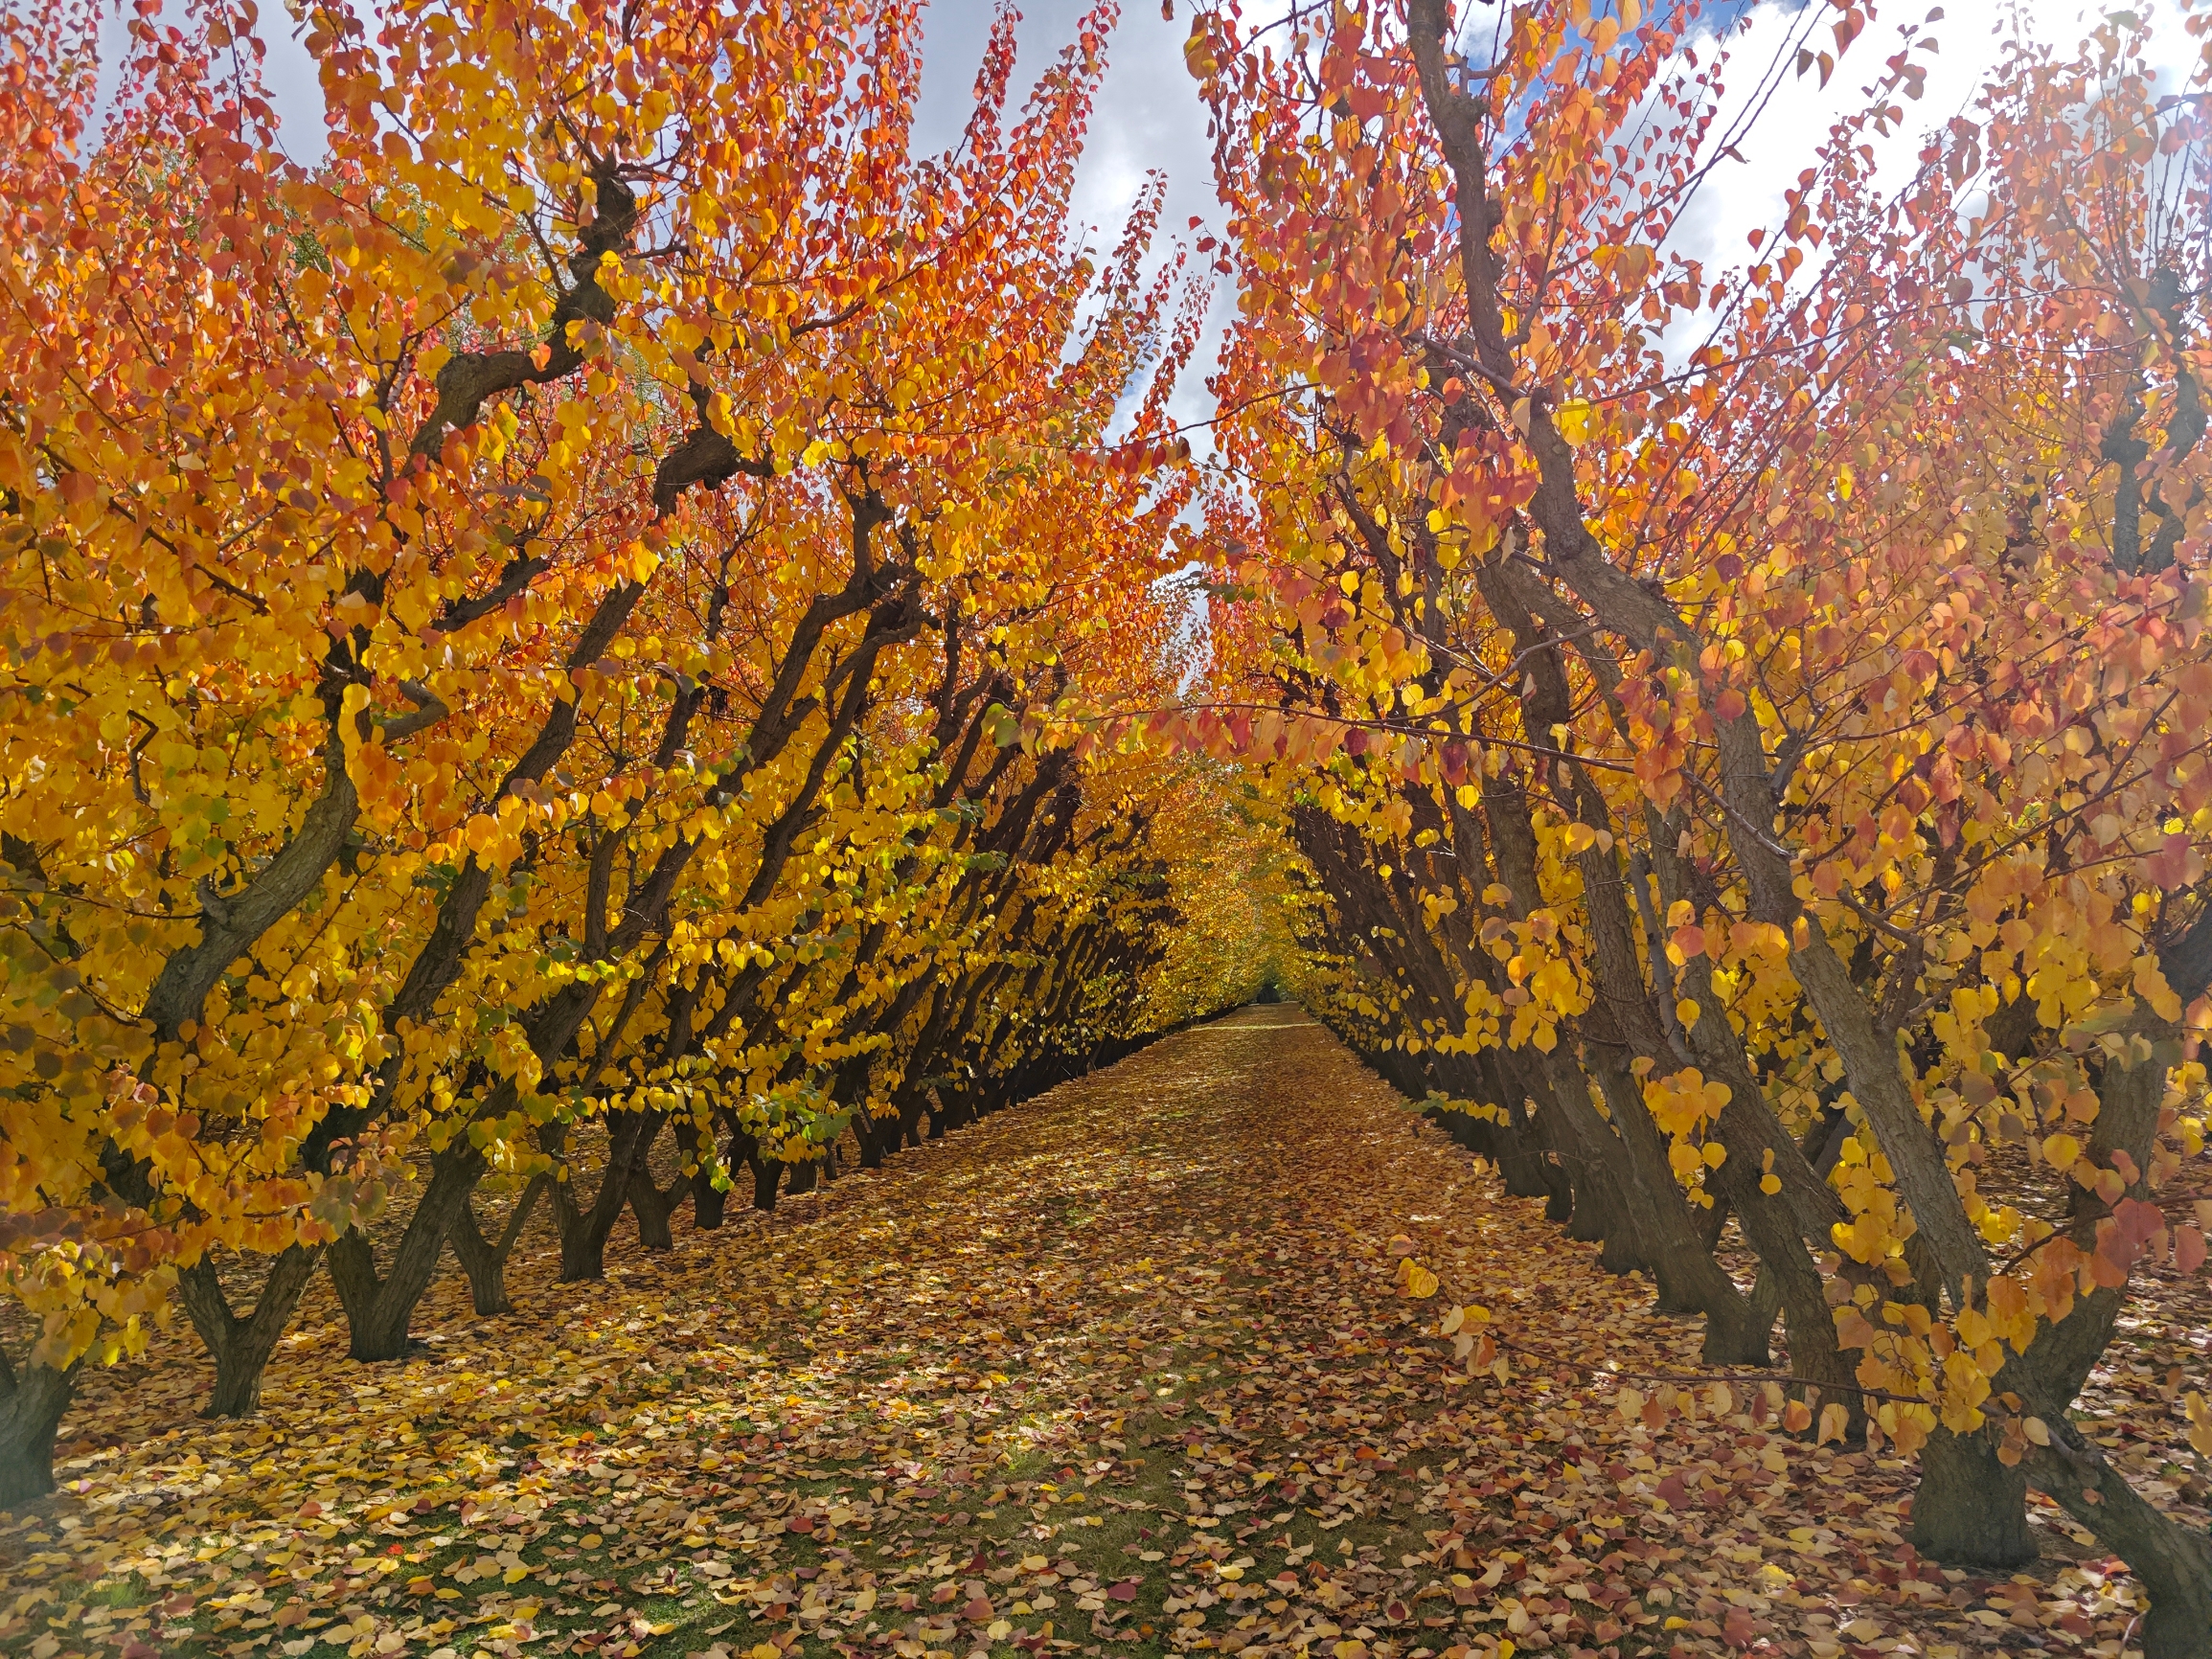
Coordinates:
[1120,1371]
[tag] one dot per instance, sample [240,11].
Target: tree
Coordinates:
[509,627]
[1756,779]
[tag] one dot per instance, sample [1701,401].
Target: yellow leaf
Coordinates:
[2199,1424]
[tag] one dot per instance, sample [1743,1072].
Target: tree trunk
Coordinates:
[485,1260]
[1595,1218]
[379,1308]
[584,1233]
[804,1177]
[2172,1561]
[1711,1223]
[768,1173]
[1970,1511]
[653,1207]
[241,1347]
[710,1203]
[31,1406]
[1621,1256]
[1517,1167]
[1765,1305]
[1559,1205]
[958,1111]
[702,1156]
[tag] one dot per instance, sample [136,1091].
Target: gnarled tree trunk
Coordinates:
[241,1347]
[2174,1560]
[768,1176]
[379,1307]
[586,1230]
[654,1206]
[485,1260]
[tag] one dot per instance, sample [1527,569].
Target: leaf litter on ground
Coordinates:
[1125,1370]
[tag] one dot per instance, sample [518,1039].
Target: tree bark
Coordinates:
[653,1205]
[710,1203]
[585,1232]
[31,1406]
[1969,1509]
[910,1129]
[768,1175]
[485,1260]
[701,1155]
[241,1347]
[2172,1561]
[379,1308]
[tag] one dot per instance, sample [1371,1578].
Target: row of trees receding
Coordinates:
[537,649]
[1745,718]
[609,633]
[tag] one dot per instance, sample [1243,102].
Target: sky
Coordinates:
[1969,37]
[1149,116]
[1148,119]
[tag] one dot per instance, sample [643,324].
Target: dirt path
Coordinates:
[1122,1369]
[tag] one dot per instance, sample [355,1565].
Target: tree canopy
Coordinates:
[629,634]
